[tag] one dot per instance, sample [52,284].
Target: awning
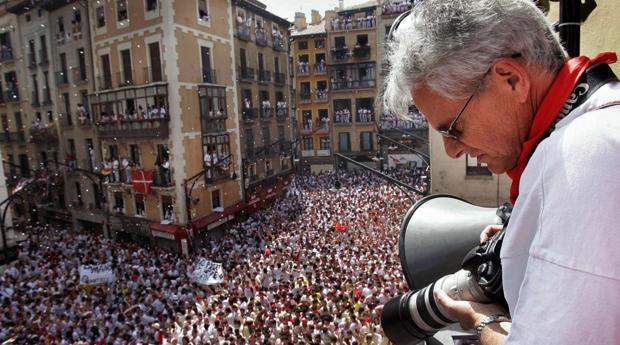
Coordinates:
[167,231]
[218,218]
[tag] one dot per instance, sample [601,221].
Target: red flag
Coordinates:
[340,227]
[142,181]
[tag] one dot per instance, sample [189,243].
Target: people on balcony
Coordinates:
[343,116]
[321,94]
[417,121]
[350,22]
[303,67]
[106,170]
[261,34]
[70,160]
[126,167]
[281,108]
[277,38]
[307,124]
[364,115]
[83,116]
[266,106]
[164,167]
[323,122]
[320,67]
[116,174]
[153,112]
[6,52]
[397,7]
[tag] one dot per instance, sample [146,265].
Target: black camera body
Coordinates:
[416,315]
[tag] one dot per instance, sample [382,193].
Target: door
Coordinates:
[107,72]
[156,74]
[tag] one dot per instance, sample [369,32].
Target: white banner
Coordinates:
[208,272]
[96,274]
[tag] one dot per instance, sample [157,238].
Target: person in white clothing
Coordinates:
[494,81]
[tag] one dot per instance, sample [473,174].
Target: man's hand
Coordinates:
[468,314]
[489,231]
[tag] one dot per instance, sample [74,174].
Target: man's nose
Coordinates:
[454,148]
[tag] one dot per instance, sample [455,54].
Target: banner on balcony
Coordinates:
[142,181]
[96,274]
[208,272]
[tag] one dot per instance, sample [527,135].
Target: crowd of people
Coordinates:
[140,114]
[418,121]
[314,268]
[353,22]
[364,115]
[397,7]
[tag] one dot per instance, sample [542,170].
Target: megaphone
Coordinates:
[436,234]
[440,249]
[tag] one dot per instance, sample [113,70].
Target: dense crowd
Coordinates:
[314,268]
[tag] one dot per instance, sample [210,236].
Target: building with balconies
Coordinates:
[15,129]
[352,75]
[309,52]
[166,120]
[264,100]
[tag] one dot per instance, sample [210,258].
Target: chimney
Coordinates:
[340,5]
[300,21]
[316,17]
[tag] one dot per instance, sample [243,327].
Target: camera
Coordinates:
[416,316]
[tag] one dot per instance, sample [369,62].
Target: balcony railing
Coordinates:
[365,116]
[323,153]
[321,96]
[243,32]
[162,178]
[79,75]
[322,129]
[261,37]
[105,82]
[353,84]
[303,68]
[278,44]
[12,95]
[340,53]
[279,78]
[62,78]
[147,128]
[44,134]
[304,98]
[343,116]
[124,79]
[361,52]
[264,76]
[354,23]
[246,73]
[320,68]
[266,113]
[306,128]
[6,54]
[218,171]
[249,114]
[43,58]
[209,76]
[12,137]
[47,97]
[282,114]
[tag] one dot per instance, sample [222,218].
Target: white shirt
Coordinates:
[560,255]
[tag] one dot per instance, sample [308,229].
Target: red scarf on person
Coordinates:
[549,109]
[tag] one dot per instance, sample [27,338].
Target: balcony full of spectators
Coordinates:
[261,36]
[343,116]
[360,21]
[281,111]
[351,83]
[303,68]
[416,121]
[321,96]
[320,68]
[365,115]
[6,53]
[395,8]
[140,123]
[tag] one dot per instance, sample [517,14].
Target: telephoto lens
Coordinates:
[416,315]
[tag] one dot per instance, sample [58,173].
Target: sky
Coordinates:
[287,8]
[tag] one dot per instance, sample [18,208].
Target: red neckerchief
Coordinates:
[549,109]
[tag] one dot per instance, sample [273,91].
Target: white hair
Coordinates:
[448,46]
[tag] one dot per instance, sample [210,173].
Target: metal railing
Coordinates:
[124,79]
[105,81]
[243,32]
[361,52]
[43,57]
[353,84]
[264,75]
[209,76]
[340,53]
[249,114]
[279,78]
[246,73]
[62,78]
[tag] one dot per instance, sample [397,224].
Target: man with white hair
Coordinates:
[492,79]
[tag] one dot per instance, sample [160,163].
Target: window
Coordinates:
[308,144]
[77,16]
[82,63]
[366,141]
[324,143]
[140,210]
[218,144]
[112,151]
[61,24]
[203,10]
[121,10]
[126,67]
[134,154]
[213,107]
[151,5]
[100,14]
[167,209]
[344,145]
[68,116]
[266,137]
[475,168]
[18,121]
[249,142]
[303,45]
[97,193]
[215,199]
[5,122]
[208,74]
[339,42]
[78,193]
[319,43]
[119,202]
[362,40]
[64,76]
[365,110]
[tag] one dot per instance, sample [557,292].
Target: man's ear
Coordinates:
[512,77]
